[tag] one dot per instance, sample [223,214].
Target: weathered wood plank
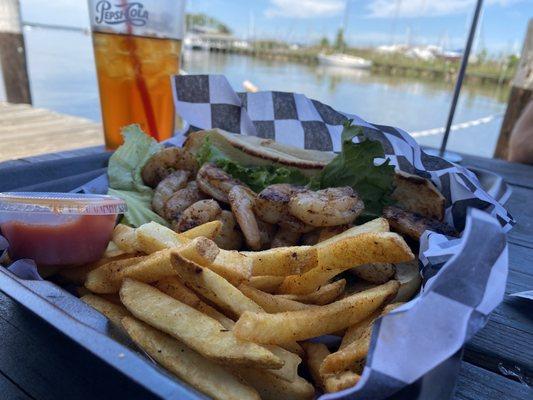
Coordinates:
[475,383]
[10,391]
[513,173]
[519,205]
[48,366]
[43,131]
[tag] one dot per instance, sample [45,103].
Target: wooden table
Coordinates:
[37,362]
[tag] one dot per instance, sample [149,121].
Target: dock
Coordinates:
[28,131]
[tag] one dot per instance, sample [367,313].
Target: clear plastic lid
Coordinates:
[61,203]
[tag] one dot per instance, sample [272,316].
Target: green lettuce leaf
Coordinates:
[256,177]
[124,173]
[354,167]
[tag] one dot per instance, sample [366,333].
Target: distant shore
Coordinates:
[488,73]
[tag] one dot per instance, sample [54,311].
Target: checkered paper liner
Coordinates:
[464,279]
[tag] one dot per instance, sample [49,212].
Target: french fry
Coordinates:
[205,375]
[375,272]
[267,284]
[324,295]
[209,230]
[212,286]
[271,387]
[339,255]
[315,355]
[152,237]
[408,274]
[283,261]
[78,275]
[342,380]
[355,344]
[106,279]
[195,329]
[153,268]
[114,312]
[125,238]
[200,250]
[375,226]
[271,303]
[233,266]
[113,250]
[317,321]
[176,289]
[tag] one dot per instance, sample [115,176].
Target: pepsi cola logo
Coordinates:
[132,13]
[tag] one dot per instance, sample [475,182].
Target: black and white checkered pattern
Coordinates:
[208,101]
[464,279]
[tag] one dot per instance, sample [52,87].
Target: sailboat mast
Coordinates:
[345,25]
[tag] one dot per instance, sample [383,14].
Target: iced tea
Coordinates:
[134,81]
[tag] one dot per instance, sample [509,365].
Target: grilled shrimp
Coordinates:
[215,182]
[241,200]
[166,161]
[230,236]
[266,233]
[328,207]
[181,200]
[285,237]
[271,205]
[199,213]
[166,188]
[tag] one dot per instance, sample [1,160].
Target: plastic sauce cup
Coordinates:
[61,229]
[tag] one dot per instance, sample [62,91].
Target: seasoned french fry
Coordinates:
[200,250]
[315,355]
[176,289]
[283,261]
[195,329]
[289,371]
[375,226]
[212,286]
[125,238]
[339,255]
[78,275]
[114,312]
[154,267]
[113,250]
[342,380]
[205,375]
[271,303]
[355,344]
[209,230]
[324,295]
[375,272]
[300,325]
[267,284]
[152,237]
[233,266]
[106,279]
[271,387]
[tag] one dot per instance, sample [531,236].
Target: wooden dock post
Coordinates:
[13,53]
[521,94]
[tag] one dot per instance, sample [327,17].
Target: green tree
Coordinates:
[207,21]
[340,44]
[324,42]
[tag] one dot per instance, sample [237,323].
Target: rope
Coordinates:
[455,127]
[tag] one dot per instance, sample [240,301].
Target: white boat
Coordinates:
[344,60]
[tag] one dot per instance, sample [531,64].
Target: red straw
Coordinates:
[141,83]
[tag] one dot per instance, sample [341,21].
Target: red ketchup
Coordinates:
[58,229]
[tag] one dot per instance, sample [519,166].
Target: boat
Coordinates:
[344,60]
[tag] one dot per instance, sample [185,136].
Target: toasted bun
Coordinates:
[250,150]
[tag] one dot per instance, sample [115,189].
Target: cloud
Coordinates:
[425,8]
[304,8]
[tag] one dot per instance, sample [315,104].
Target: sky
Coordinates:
[370,22]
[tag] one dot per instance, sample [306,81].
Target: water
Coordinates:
[63,79]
